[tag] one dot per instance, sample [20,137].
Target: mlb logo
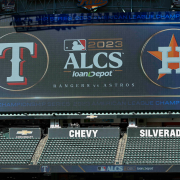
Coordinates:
[74,45]
[101,168]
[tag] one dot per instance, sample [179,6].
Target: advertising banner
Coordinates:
[99,67]
[89,168]
[89,18]
[83,132]
[154,132]
[25,133]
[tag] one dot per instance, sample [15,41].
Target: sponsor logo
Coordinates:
[145,168]
[75,45]
[24,132]
[20,61]
[90,63]
[91,117]
[130,168]
[83,133]
[160,58]
[93,59]
[101,168]
[92,74]
[115,168]
[91,4]
[159,133]
[24,137]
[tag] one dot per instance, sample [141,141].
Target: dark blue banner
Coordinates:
[90,169]
[81,18]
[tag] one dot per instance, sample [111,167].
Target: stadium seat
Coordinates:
[152,150]
[16,151]
[79,151]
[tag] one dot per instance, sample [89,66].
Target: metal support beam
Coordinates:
[54,6]
[70,6]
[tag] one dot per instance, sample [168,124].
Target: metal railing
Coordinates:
[70,6]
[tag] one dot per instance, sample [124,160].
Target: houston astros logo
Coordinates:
[24,61]
[160,58]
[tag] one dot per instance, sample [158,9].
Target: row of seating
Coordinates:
[79,151]
[76,162]
[16,151]
[78,138]
[152,150]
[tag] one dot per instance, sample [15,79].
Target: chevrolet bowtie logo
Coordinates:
[91,117]
[24,132]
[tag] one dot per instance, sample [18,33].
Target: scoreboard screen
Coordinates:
[95,67]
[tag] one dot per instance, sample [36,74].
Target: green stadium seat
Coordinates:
[16,151]
[80,151]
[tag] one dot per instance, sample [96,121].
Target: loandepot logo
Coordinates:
[160,58]
[24,132]
[24,61]
[92,74]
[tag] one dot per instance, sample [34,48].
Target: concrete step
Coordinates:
[121,150]
[39,150]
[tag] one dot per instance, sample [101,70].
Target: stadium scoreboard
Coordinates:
[96,67]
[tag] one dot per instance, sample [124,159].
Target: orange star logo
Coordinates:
[173,44]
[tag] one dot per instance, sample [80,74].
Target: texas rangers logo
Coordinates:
[17,61]
[92,4]
[24,61]
[45,169]
[160,58]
